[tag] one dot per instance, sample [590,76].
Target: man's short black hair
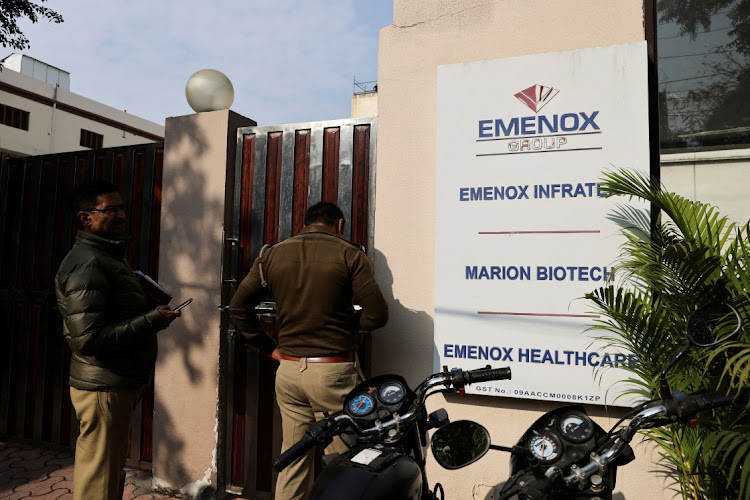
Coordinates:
[84,195]
[323,212]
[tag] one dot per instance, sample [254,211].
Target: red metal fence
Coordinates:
[36,232]
[281,170]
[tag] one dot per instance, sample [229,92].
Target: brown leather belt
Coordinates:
[339,358]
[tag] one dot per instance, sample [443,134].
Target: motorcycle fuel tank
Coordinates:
[369,473]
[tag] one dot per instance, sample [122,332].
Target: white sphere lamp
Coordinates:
[209,90]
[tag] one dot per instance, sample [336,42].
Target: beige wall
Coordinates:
[720,178]
[54,130]
[424,35]
[365,105]
[409,53]
[200,148]
[199,152]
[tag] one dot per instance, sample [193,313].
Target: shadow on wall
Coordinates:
[191,213]
[667,472]
[404,346]
[188,229]
[169,441]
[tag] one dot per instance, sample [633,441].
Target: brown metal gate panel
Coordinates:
[280,171]
[36,232]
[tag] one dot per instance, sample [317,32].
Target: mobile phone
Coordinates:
[188,301]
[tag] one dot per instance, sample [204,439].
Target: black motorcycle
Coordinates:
[565,455]
[386,424]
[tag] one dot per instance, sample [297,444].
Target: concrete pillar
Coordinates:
[199,155]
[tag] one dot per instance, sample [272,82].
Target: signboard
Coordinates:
[522,233]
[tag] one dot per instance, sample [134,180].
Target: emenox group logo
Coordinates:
[536,96]
[538,133]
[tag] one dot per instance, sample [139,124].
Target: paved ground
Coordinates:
[47,473]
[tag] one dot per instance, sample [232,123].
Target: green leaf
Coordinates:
[688,256]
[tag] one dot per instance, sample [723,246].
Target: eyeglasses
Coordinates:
[109,209]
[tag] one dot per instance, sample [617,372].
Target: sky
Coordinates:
[288,61]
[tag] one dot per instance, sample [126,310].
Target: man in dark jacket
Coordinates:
[111,330]
[315,278]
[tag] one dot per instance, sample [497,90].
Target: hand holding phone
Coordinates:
[188,301]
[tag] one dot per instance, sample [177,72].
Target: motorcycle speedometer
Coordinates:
[575,427]
[544,446]
[361,405]
[391,393]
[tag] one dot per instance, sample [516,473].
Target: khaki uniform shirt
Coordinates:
[315,279]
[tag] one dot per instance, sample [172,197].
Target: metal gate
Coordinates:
[280,171]
[36,232]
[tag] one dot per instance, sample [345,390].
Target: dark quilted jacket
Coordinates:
[107,320]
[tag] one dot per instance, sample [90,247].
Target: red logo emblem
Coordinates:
[536,96]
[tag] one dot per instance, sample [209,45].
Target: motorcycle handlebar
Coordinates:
[688,405]
[297,450]
[487,374]
[320,434]
[458,379]
[679,406]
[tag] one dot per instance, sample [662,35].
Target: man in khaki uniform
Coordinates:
[315,278]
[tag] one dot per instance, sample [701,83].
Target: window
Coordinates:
[704,74]
[91,140]
[14,117]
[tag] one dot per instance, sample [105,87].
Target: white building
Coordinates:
[40,115]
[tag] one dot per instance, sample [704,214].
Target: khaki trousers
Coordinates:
[105,418]
[304,391]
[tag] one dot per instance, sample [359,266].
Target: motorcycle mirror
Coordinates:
[712,324]
[707,326]
[459,444]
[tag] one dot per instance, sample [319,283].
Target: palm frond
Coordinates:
[737,364]
[671,264]
[695,221]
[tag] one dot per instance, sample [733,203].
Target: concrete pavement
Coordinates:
[37,472]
